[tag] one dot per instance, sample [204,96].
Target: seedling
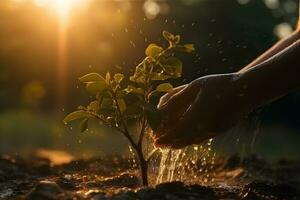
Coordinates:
[115,104]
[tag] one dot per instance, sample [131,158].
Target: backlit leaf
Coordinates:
[173,67]
[153,50]
[122,105]
[95,87]
[119,77]
[108,77]
[176,39]
[83,125]
[92,77]
[168,36]
[164,87]
[94,106]
[76,115]
[189,48]
[159,77]
[132,89]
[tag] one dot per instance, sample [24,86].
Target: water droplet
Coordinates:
[132,43]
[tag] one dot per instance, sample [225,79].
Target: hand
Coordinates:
[201,110]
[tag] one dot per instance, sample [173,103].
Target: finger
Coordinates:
[174,110]
[181,99]
[186,128]
[167,96]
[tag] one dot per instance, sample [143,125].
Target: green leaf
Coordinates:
[168,36]
[108,78]
[83,125]
[189,48]
[94,106]
[95,87]
[119,77]
[154,119]
[76,115]
[159,76]
[164,87]
[122,104]
[177,39]
[173,67]
[153,50]
[132,89]
[92,77]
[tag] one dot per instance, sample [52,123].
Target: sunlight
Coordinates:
[61,7]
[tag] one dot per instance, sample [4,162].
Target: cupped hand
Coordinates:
[201,110]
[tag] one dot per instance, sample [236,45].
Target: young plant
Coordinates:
[115,104]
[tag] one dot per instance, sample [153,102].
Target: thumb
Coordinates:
[164,99]
[181,99]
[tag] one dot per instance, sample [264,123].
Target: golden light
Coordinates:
[60,7]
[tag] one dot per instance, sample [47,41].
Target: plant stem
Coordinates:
[143,167]
[142,133]
[137,147]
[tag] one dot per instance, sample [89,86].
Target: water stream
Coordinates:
[192,164]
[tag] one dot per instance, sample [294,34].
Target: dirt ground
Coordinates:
[113,178]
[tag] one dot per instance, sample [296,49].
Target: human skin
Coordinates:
[211,105]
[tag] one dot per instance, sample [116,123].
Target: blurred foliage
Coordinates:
[32,93]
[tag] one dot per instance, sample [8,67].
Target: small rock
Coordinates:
[46,190]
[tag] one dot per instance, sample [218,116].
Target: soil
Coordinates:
[113,178]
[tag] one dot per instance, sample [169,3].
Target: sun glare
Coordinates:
[61,7]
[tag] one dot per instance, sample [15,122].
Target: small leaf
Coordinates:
[76,115]
[159,77]
[83,125]
[132,89]
[153,50]
[94,106]
[108,77]
[173,67]
[189,48]
[122,104]
[164,87]
[92,77]
[168,36]
[177,39]
[95,87]
[118,77]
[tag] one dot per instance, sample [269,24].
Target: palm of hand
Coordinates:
[201,110]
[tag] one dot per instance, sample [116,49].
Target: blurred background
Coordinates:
[45,45]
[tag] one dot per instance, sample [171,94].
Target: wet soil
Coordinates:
[114,178]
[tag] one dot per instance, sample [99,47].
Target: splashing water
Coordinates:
[193,164]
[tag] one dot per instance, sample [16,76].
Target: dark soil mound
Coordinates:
[94,179]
